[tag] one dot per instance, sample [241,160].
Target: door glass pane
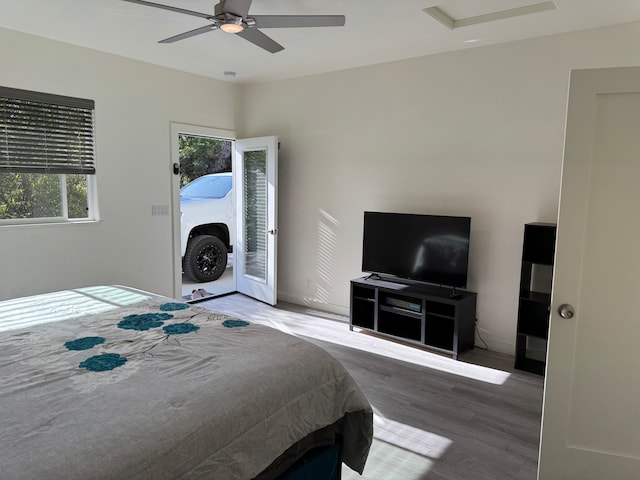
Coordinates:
[255,214]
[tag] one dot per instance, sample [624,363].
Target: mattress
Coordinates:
[109,382]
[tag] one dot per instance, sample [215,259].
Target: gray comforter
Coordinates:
[114,383]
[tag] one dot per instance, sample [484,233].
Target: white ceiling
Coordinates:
[376,31]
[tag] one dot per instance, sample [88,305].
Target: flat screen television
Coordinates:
[424,248]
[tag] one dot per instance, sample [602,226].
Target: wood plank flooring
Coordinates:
[435,418]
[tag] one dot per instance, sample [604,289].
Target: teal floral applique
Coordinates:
[104,362]
[180,328]
[235,323]
[144,321]
[170,307]
[84,343]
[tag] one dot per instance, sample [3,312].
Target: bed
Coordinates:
[110,382]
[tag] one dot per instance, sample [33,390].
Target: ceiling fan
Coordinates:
[232,16]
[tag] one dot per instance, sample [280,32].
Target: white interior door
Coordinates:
[591,412]
[255,183]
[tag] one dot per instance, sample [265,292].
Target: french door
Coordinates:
[255,186]
[254,238]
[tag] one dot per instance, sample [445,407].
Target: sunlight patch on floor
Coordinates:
[338,333]
[399,452]
[390,462]
[409,438]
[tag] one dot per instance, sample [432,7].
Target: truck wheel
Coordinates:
[205,259]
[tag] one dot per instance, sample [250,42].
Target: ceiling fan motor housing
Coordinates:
[232,16]
[232,10]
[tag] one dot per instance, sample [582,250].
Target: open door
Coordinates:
[255,184]
[591,424]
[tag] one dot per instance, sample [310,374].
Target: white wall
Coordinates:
[477,132]
[135,103]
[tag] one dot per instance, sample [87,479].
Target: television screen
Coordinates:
[425,248]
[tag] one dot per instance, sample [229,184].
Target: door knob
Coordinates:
[566,311]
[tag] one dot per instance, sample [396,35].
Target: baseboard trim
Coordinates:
[315,304]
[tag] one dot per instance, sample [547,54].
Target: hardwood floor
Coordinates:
[435,418]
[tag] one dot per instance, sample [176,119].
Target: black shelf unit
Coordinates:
[534,303]
[420,314]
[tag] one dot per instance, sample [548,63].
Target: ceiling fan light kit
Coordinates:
[232,26]
[232,16]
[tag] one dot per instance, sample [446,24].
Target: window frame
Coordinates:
[46,123]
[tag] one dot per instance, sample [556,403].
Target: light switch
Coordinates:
[159,210]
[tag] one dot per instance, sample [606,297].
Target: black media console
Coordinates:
[421,314]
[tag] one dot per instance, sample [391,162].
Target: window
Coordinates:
[47,166]
[208,187]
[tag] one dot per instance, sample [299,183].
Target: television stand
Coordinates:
[425,315]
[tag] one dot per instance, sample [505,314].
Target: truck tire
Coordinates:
[205,259]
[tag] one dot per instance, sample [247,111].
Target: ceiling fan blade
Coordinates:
[293,21]
[238,8]
[190,33]
[258,38]
[172,9]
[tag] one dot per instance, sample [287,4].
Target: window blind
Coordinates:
[45,133]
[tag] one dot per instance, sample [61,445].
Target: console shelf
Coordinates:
[420,314]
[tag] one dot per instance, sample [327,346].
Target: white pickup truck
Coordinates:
[206,219]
